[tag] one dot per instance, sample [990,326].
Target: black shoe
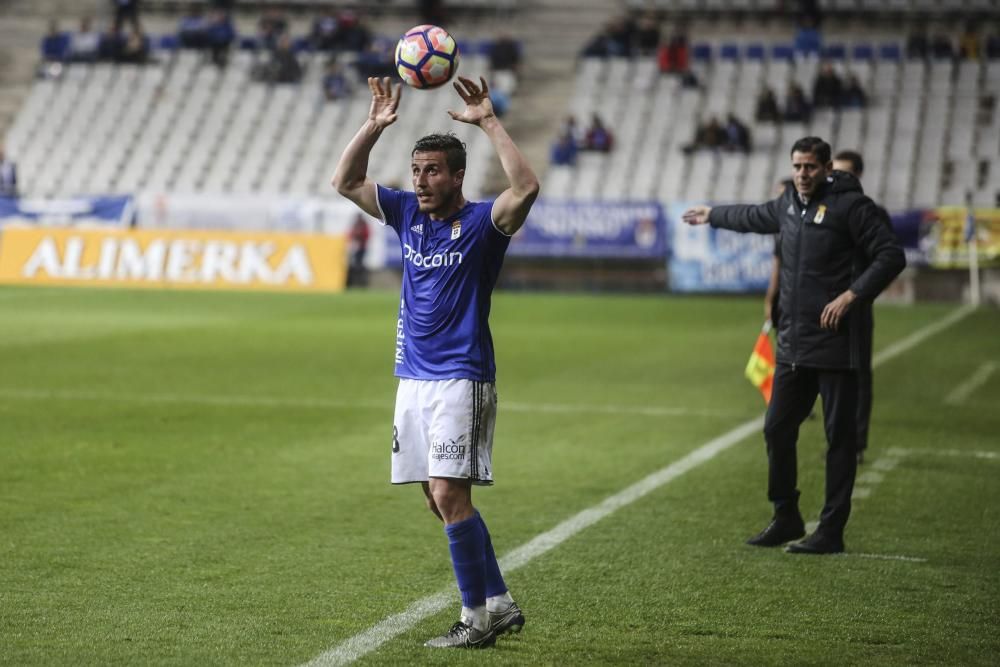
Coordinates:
[817,543]
[779,531]
[463,635]
[507,620]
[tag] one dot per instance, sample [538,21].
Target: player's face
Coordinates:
[807,172]
[844,165]
[437,188]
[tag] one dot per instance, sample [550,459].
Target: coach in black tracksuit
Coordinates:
[824,221]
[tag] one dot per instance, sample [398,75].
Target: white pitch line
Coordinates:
[907,559]
[975,381]
[371,639]
[970,453]
[326,403]
[920,335]
[870,477]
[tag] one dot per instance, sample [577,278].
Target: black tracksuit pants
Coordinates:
[793,395]
[865,378]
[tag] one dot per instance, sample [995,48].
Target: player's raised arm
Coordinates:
[512,206]
[350,178]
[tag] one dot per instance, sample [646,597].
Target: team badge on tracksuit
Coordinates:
[820,214]
[456,229]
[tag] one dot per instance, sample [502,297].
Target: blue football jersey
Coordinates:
[450,268]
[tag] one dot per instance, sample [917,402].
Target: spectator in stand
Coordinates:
[221,34]
[564,150]
[968,42]
[335,84]
[827,89]
[612,41]
[993,46]
[352,33]
[797,107]
[112,45]
[505,59]
[647,34]
[214,33]
[136,48]
[737,135]
[941,47]
[8,176]
[570,128]
[127,10]
[711,135]
[357,274]
[191,29]
[673,57]
[270,28]
[622,31]
[378,60]
[598,137]
[767,107]
[853,96]
[324,32]
[500,101]
[55,44]
[917,46]
[807,38]
[84,44]
[282,65]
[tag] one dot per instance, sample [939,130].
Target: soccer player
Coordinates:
[446,400]
[824,221]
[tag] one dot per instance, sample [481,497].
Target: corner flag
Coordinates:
[760,368]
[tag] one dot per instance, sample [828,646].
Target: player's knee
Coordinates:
[452,500]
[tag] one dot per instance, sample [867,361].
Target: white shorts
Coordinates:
[443,428]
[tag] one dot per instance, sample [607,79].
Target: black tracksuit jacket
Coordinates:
[819,246]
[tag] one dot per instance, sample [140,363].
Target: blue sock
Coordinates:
[465,539]
[494,580]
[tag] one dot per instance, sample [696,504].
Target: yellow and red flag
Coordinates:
[760,368]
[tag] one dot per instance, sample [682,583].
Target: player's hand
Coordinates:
[478,106]
[696,215]
[834,311]
[385,101]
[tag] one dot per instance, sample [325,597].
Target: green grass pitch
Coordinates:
[202,479]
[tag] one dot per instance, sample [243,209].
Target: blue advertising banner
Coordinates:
[67,212]
[604,230]
[705,259]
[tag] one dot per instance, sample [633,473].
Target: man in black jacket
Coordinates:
[824,221]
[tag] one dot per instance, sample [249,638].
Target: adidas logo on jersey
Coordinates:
[419,229]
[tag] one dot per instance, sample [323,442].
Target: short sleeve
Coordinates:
[390,206]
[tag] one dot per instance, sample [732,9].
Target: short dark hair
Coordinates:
[449,144]
[813,145]
[854,157]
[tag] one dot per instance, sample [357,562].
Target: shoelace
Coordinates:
[457,629]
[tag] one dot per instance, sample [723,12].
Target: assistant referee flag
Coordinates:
[760,368]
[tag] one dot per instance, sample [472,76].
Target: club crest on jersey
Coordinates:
[820,214]
[419,229]
[456,229]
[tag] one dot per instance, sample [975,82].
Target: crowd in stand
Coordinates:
[713,135]
[89,45]
[352,51]
[571,140]
[830,91]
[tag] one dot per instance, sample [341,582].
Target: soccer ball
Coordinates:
[426,56]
